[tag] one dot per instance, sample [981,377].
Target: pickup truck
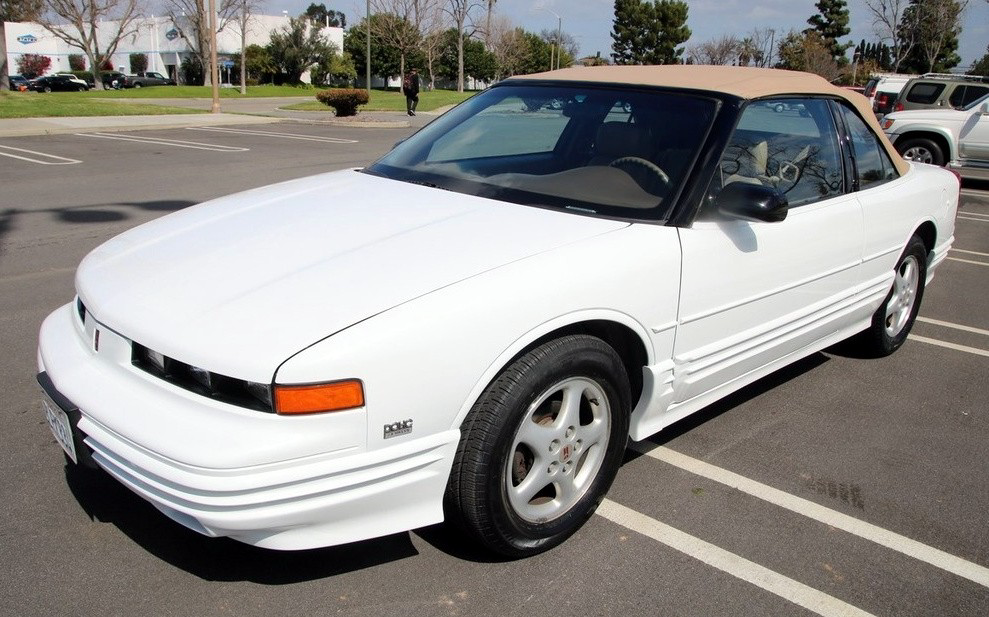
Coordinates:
[147,79]
[956,138]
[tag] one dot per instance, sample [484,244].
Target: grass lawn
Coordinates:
[39,105]
[392,100]
[199,92]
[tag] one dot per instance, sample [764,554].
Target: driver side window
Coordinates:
[786,144]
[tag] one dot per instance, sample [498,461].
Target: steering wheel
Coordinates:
[634,160]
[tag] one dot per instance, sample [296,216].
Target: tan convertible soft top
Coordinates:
[741,81]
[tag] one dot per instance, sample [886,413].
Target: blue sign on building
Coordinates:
[27,39]
[172,34]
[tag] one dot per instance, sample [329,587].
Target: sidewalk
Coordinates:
[247,111]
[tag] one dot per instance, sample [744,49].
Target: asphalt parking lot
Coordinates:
[837,486]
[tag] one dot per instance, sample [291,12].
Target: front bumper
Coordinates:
[222,471]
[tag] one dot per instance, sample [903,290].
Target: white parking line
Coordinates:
[158,141]
[954,250]
[726,561]
[967,261]
[954,326]
[217,129]
[972,218]
[979,214]
[931,341]
[55,160]
[891,540]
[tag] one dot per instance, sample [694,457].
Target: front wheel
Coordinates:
[541,446]
[138,85]
[892,321]
[922,150]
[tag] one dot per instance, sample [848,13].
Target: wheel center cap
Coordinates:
[565,453]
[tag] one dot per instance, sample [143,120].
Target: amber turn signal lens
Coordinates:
[335,396]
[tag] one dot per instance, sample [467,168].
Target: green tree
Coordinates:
[13,10]
[831,22]
[385,60]
[479,63]
[322,16]
[258,65]
[297,47]
[933,26]
[337,69]
[646,32]
[982,66]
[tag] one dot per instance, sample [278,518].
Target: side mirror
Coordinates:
[984,108]
[751,202]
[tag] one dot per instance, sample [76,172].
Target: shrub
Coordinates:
[343,100]
[138,63]
[33,65]
[77,62]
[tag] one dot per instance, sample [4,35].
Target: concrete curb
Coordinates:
[358,122]
[23,127]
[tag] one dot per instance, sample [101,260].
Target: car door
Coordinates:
[973,140]
[754,294]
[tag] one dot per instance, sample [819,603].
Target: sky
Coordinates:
[589,21]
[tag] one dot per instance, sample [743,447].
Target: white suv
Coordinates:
[958,138]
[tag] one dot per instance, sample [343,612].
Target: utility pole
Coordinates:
[214,69]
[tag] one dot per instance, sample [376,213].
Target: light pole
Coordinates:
[559,37]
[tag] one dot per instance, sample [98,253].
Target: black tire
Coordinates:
[138,85]
[922,150]
[887,332]
[492,465]
[47,88]
[82,88]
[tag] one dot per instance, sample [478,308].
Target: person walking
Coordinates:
[410,88]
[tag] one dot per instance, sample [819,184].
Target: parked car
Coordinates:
[75,79]
[936,90]
[882,90]
[147,79]
[17,82]
[958,138]
[483,317]
[110,79]
[56,83]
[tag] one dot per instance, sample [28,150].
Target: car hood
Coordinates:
[240,284]
[939,116]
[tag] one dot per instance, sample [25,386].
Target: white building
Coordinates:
[157,37]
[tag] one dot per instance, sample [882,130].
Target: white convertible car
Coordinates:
[475,325]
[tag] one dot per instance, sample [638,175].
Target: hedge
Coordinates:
[343,100]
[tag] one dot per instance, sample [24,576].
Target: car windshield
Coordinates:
[611,151]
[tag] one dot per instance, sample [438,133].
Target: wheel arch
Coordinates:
[927,232]
[936,136]
[628,338]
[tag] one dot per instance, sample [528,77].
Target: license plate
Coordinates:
[58,420]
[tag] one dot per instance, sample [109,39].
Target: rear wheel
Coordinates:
[892,321]
[541,447]
[922,150]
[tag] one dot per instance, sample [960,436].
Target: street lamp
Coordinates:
[559,37]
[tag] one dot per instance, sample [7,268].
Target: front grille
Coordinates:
[240,392]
